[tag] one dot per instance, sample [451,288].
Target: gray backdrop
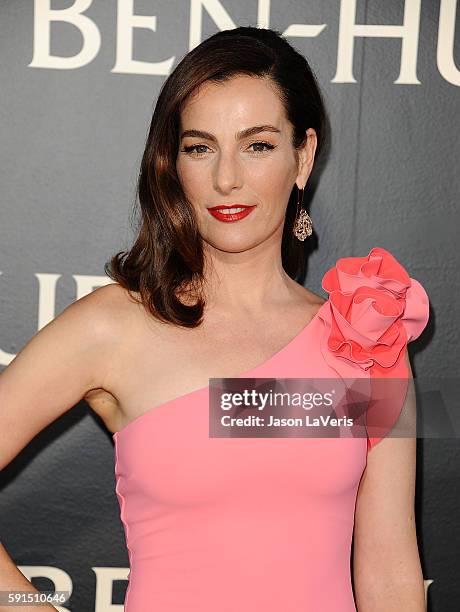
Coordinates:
[77,92]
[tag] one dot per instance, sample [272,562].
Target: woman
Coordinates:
[210,289]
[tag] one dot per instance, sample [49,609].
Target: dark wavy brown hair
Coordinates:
[165,264]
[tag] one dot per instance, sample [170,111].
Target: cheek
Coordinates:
[272,183]
[192,180]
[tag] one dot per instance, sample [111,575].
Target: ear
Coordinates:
[306,158]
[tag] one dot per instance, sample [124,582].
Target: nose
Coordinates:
[228,174]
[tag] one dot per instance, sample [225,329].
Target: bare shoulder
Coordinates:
[108,311]
[317,300]
[71,356]
[100,323]
[312,298]
[112,312]
[111,302]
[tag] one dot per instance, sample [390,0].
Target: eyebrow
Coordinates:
[256,129]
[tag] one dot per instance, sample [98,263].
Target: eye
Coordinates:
[264,144]
[192,149]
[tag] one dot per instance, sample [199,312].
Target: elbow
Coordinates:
[387,590]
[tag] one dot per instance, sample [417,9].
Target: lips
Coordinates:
[230,213]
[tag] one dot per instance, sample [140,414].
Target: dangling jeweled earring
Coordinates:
[302,223]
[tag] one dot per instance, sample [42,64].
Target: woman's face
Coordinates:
[219,165]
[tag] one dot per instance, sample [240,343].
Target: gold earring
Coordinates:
[302,224]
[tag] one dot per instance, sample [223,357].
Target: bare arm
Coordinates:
[51,374]
[387,571]
[11,579]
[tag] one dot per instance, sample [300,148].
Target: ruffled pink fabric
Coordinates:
[374,309]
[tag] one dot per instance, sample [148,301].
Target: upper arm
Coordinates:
[384,535]
[54,370]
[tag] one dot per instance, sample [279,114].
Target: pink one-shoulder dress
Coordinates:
[263,524]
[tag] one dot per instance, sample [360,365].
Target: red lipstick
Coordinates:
[227,217]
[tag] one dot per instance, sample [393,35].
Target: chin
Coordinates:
[229,244]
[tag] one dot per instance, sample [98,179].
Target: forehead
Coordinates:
[241,100]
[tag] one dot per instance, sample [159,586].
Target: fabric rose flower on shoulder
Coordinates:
[374,309]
